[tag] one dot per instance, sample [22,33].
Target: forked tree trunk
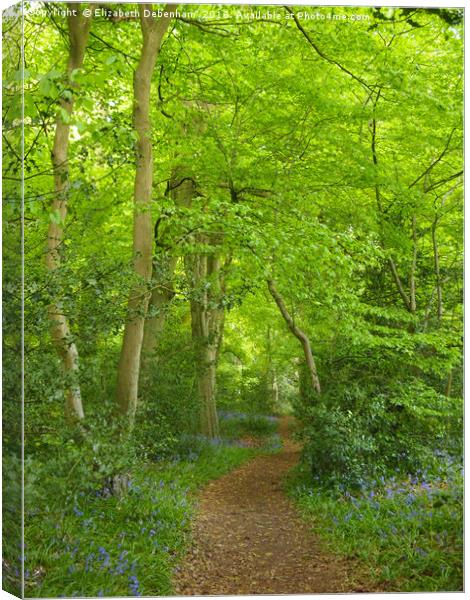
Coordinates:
[299,334]
[78,27]
[153,31]
[181,190]
[162,294]
[207,322]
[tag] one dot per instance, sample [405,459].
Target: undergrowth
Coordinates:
[97,544]
[237,425]
[407,530]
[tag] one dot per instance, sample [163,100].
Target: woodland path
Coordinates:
[249,539]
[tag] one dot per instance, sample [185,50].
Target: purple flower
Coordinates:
[104,557]
[134,585]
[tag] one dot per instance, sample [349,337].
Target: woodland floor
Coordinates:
[249,539]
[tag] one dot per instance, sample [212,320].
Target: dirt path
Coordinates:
[248,538]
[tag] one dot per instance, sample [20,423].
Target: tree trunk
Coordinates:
[448,390]
[78,27]
[207,321]
[437,271]
[413,267]
[272,383]
[299,334]
[162,294]
[181,190]
[153,31]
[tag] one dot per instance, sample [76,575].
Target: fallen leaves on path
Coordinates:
[248,538]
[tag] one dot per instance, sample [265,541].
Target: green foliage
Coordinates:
[367,432]
[339,177]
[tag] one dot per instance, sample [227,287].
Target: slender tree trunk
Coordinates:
[407,302]
[413,267]
[437,270]
[153,31]
[448,390]
[272,383]
[78,27]
[299,334]
[399,284]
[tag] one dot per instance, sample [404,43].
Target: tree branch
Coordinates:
[322,54]
[299,334]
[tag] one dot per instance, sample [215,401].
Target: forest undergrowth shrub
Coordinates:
[358,434]
[245,392]
[381,478]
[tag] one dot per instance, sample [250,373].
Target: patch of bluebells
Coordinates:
[416,519]
[134,586]
[151,515]
[225,415]
[274,442]
[106,542]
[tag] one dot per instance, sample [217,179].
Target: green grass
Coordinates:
[406,533]
[97,545]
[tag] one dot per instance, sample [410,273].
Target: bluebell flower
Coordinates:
[104,556]
[134,585]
